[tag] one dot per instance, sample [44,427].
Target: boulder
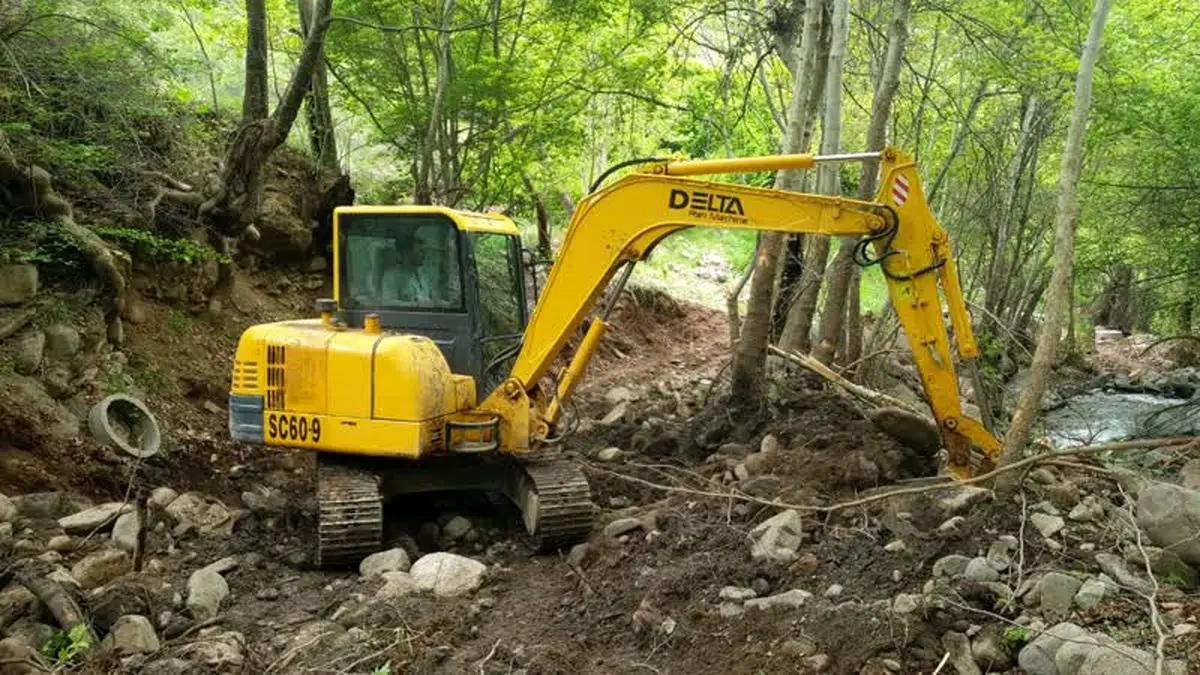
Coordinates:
[788,599]
[961,657]
[220,651]
[398,585]
[95,518]
[456,528]
[204,514]
[1170,516]
[1038,657]
[1098,654]
[737,593]
[998,555]
[40,505]
[1058,594]
[19,658]
[1090,510]
[132,634]
[1190,474]
[778,537]
[377,564]
[163,496]
[978,569]
[18,283]
[957,499]
[15,602]
[1090,594]
[62,342]
[54,420]
[126,530]
[447,574]
[13,320]
[1047,525]
[1114,566]
[100,567]
[31,632]
[207,589]
[618,394]
[621,526]
[8,510]
[991,650]
[910,429]
[952,565]
[609,454]
[30,349]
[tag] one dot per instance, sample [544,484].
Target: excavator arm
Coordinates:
[620,224]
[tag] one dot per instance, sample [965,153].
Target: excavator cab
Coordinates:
[453,277]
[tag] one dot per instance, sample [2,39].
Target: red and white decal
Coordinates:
[900,190]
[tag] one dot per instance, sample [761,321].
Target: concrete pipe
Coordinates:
[125,422]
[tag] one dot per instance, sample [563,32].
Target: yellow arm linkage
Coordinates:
[623,222]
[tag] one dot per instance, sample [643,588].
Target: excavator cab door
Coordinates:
[423,275]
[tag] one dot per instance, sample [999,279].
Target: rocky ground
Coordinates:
[720,544]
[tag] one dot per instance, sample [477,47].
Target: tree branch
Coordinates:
[293,97]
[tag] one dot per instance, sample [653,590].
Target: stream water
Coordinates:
[1104,416]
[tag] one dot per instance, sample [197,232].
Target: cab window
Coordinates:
[399,262]
[499,285]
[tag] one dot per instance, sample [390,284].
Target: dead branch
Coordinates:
[983,478]
[870,396]
[56,599]
[1151,598]
[1172,338]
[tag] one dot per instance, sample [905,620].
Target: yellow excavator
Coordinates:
[424,372]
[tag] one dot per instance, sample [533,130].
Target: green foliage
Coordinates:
[1017,636]
[385,669]
[178,322]
[1173,579]
[63,646]
[156,247]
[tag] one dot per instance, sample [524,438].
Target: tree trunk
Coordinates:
[543,218]
[834,313]
[254,99]
[316,105]
[800,318]
[1067,211]
[751,350]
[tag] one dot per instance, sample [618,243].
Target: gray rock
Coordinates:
[990,649]
[959,498]
[953,565]
[609,454]
[96,518]
[961,657]
[18,283]
[778,537]
[833,591]
[6,531]
[62,342]
[447,574]
[998,555]
[1098,654]
[912,430]
[578,554]
[952,524]
[798,648]
[220,651]
[193,510]
[132,634]
[906,603]
[376,564]
[265,501]
[1190,474]
[616,414]
[1058,594]
[737,593]
[398,585]
[17,658]
[897,546]
[31,632]
[1166,564]
[817,663]
[126,530]
[1170,516]
[1037,657]
[15,602]
[456,529]
[736,450]
[14,320]
[618,394]
[1090,594]
[728,610]
[8,510]
[207,589]
[1090,510]
[788,599]
[621,526]
[1047,525]
[978,569]
[30,349]
[1115,567]
[163,496]
[98,568]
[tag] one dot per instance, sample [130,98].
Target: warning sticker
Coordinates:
[900,190]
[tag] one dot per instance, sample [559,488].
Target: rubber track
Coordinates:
[350,514]
[564,502]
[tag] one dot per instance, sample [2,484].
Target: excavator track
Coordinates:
[350,513]
[555,502]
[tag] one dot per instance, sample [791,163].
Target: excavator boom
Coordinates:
[620,224]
